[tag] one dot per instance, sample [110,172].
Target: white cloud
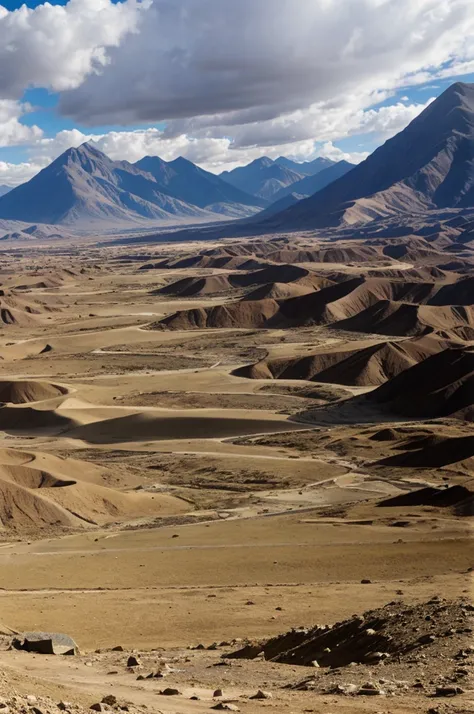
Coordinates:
[233,79]
[329,151]
[301,135]
[12,131]
[56,47]
[245,61]
[15,174]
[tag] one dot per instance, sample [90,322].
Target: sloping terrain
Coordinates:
[440,386]
[24,392]
[426,166]
[364,367]
[309,185]
[371,638]
[358,304]
[39,492]
[189,287]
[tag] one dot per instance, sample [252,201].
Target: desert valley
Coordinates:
[237,455]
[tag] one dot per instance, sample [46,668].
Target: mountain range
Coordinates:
[272,180]
[427,166]
[84,186]
[4,189]
[305,168]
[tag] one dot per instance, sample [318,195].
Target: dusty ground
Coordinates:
[201,509]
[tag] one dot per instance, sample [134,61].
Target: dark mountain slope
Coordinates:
[310,185]
[428,165]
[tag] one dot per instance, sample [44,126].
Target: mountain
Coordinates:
[309,185]
[84,185]
[263,178]
[4,189]
[183,180]
[428,165]
[307,168]
[282,204]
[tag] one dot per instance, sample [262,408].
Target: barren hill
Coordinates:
[426,166]
[441,386]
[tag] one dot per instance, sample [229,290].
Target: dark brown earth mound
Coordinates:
[369,366]
[193,287]
[277,274]
[413,253]
[374,305]
[243,314]
[23,392]
[207,262]
[341,254]
[386,317]
[422,274]
[279,291]
[16,310]
[312,309]
[460,293]
[394,631]
[440,386]
[459,498]
[423,453]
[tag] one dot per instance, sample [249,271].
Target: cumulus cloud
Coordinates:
[12,131]
[232,80]
[15,174]
[56,47]
[303,135]
[254,60]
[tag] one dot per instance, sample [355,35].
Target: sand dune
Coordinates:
[191,424]
[33,498]
[28,421]
[24,392]
[459,293]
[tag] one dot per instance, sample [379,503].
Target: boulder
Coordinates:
[48,643]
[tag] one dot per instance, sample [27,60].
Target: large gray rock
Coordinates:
[54,643]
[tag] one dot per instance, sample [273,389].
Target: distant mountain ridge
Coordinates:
[190,183]
[427,166]
[4,189]
[262,177]
[309,185]
[306,168]
[84,185]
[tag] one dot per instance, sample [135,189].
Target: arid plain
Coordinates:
[218,442]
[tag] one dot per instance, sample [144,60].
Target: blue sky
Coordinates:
[156,77]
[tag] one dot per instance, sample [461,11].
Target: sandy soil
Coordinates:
[153,496]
